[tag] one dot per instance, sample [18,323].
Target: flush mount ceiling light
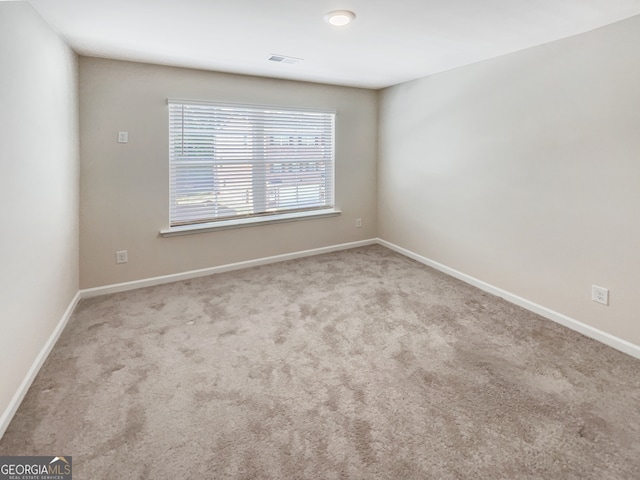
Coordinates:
[340,18]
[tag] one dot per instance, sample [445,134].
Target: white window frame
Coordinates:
[301,166]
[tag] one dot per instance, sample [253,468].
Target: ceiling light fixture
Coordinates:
[340,18]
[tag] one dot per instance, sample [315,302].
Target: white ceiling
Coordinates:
[390,41]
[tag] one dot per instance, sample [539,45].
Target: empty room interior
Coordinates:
[331,239]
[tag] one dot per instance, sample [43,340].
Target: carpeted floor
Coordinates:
[358,364]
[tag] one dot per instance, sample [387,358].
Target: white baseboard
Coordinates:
[150,282]
[587,330]
[15,402]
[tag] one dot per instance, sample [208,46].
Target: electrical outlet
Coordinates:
[600,294]
[358,222]
[123,137]
[122,257]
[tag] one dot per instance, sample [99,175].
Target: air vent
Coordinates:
[284,59]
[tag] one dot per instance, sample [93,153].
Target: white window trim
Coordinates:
[267,217]
[248,222]
[252,105]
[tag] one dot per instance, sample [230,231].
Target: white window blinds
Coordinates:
[236,161]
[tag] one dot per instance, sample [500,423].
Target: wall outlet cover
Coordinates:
[122,256]
[600,294]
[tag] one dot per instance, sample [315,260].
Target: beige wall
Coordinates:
[124,187]
[524,172]
[38,189]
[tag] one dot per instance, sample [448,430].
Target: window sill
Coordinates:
[247,222]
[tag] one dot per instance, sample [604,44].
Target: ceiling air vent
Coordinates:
[284,59]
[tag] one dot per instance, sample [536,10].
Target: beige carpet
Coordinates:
[359,364]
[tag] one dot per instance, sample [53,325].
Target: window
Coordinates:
[231,162]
